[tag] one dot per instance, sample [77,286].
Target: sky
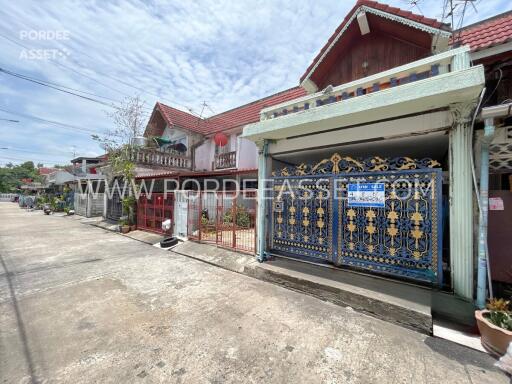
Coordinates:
[182,53]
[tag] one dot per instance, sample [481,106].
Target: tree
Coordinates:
[28,165]
[11,176]
[129,123]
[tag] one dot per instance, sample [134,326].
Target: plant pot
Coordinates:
[133,227]
[125,228]
[494,338]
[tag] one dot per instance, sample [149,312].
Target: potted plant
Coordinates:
[123,225]
[129,203]
[495,326]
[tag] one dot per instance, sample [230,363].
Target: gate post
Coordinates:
[461,200]
[200,214]
[233,219]
[262,176]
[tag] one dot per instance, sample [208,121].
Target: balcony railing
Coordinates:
[154,157]
[422,69]
[225,160]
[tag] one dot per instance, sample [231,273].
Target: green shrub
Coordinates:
[129,203]
[500,314]
[243,219]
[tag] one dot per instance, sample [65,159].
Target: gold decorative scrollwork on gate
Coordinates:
[337,164]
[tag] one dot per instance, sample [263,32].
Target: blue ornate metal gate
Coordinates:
[374,214]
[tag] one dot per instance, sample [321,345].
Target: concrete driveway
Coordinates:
[79,304]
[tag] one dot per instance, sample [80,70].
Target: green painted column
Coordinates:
[461,201]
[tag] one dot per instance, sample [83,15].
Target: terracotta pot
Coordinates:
[133,227]
[494,338]
[125,228]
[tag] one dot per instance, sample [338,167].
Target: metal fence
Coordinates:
[225,218]
[114,207]
[153,209]
[7,196]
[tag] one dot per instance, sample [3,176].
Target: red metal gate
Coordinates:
[153,209]
[225,218]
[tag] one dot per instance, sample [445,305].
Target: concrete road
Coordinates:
[79,304]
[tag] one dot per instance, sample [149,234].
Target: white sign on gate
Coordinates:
[370,195]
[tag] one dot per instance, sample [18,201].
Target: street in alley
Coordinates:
[80,304]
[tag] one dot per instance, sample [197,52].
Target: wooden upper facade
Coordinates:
[384,47]
[373,38]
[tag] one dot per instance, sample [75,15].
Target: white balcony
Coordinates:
[161,159]
[423,85]
[225,160]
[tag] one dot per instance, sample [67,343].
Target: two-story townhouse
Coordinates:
[200,154]
[382,145]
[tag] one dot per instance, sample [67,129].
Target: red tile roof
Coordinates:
[237,117]
[175,117]
[250,113]
[486,33]
[381,7]
[46,171]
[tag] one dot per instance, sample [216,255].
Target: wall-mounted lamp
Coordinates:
[365,67]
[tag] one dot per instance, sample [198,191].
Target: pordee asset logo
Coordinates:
[44,53]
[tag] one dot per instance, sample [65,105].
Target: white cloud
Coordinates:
[179,52]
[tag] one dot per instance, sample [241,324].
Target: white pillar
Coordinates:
[261,216]
[461,201]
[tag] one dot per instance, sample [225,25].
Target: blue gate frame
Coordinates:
[312,219]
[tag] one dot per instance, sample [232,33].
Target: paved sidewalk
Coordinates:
[80,304]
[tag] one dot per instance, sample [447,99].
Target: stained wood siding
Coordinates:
[380,51]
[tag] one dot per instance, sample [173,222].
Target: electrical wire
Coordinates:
[496,87]
[20,159]
[69,126]
[57,84]
[56,152]
[438,34]
[50,85]
[107,76]
[59,64]
[56,88]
